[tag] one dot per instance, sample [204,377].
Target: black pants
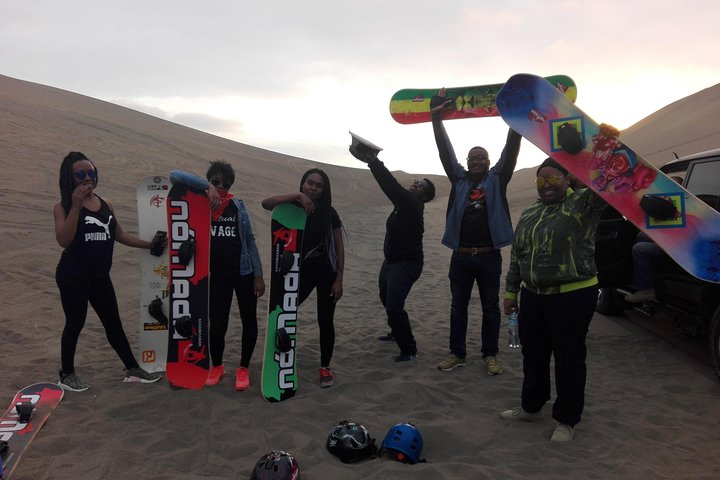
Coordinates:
[317,273]
[555,325]
[221,295]
[75,294]
[395,281]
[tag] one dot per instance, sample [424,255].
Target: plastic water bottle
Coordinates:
[513,338]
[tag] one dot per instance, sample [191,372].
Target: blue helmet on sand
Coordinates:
[404,442]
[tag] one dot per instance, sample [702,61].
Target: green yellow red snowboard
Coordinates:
[685,227]
[21,422]
[279,369]
[412,105]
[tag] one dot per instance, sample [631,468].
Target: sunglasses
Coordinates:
[91,174]
[552,180]
[223,185]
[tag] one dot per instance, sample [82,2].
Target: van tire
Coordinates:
[715,340]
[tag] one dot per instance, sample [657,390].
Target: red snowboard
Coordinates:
[188,356]
[26,415]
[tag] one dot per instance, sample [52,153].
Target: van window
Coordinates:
[702,180]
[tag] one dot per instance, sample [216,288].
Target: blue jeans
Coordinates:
[465,271]
[395,281]
[645,254]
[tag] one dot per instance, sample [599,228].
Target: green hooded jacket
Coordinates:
[554,246]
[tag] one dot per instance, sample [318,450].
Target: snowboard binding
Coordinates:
[282,340]
[287,259]
[186,251]
[155,311]
[185,327]
[570,139]
[157,244]
[24,411]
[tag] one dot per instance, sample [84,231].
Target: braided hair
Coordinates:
[67,180]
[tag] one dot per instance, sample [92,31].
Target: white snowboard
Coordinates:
[154,272]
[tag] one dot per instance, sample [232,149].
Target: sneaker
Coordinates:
[563,433]
[242,379]
[215,375]
[405,357]
[518,414]
[71,382]
[640,296]
[492,366]
[388,337]
[138,375]
[327,378]
[451,363]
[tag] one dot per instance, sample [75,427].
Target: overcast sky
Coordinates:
[295,76]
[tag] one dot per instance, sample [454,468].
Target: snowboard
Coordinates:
[21,422]
[689,233]
[279,369]
[412,105]
[154,273]
[188,356]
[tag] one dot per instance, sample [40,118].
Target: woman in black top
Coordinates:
[323,257]
[87,228]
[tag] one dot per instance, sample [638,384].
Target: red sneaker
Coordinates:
[242,379]
[327,378]
[216,373]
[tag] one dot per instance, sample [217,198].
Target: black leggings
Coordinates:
[221,295]
[75,293]
[317,273]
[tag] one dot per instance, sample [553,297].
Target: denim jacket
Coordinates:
[249,256]
[494,184]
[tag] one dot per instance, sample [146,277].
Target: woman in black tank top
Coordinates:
[87,228]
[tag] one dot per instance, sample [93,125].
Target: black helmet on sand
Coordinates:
[351,442]
[276,465]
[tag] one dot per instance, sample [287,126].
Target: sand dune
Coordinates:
[651,412]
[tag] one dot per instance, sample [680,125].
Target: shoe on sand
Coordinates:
[563,433]
[520,415]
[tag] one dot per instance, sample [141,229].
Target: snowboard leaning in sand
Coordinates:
[154,273]
[188,356]
[22,421]
[685,227]
[279,370]
[412,105]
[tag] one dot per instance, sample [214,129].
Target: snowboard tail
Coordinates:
[188,355]
[409,106]
[279,370]
[593,153]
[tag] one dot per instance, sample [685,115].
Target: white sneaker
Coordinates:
[518,414]
[563,433]
[641,296]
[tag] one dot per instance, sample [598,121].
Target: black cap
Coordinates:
[549,162]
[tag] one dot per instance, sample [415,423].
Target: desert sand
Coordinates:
[651,411]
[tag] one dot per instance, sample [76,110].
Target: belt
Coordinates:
[475,250]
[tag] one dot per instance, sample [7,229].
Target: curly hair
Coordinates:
[67,181]
[222,168]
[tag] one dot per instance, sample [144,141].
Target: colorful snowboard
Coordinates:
[412,105]
[154,273]
[26,415]
[279,369]
[188,356]
[536,110]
